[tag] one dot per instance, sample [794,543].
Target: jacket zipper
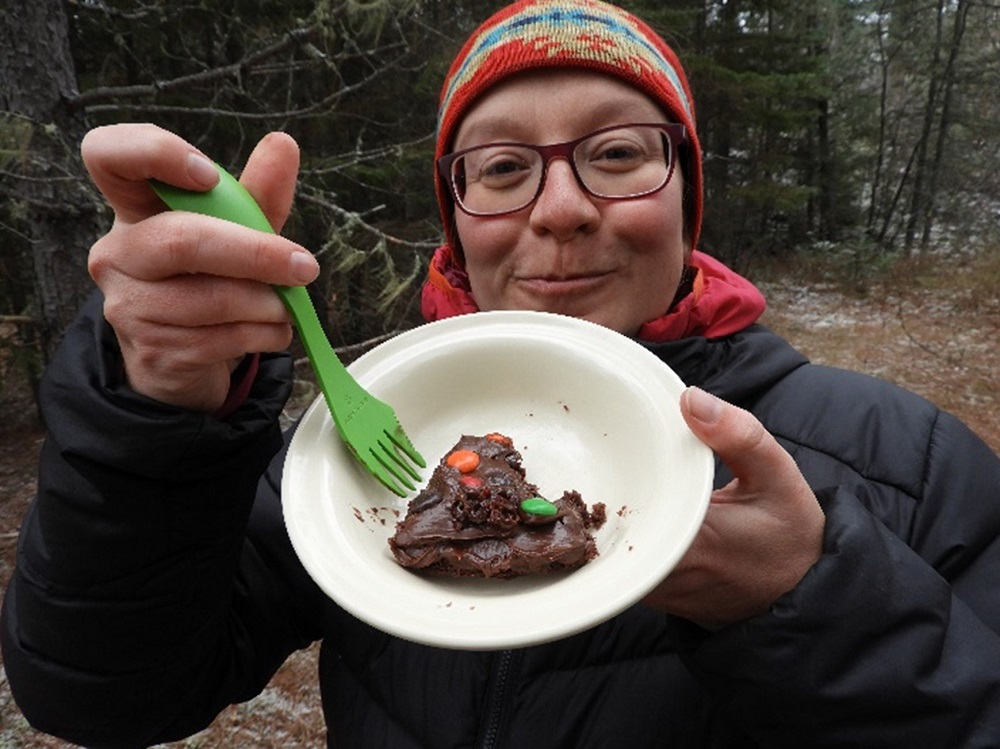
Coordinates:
[497,699]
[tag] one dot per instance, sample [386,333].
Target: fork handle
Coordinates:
[331,373]
[231,201]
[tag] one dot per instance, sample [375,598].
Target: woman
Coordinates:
[840,593]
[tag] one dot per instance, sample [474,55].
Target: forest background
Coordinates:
[850,151]
[861,129]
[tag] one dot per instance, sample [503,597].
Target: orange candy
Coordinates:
[465,461]
[502,439]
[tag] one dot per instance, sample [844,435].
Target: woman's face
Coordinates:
[613,262]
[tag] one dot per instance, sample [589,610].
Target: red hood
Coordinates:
[721,302]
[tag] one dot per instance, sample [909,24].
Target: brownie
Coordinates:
[480,517]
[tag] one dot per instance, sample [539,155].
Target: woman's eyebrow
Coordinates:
[507,127]
[489,130]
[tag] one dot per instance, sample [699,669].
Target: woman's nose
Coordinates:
[563,207]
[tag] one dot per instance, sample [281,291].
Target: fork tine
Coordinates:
[402,442]
[387,482]
[391,463]
[391,449]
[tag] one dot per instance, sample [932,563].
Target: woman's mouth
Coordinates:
[574,284]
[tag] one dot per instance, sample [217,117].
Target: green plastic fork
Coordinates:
[368,426]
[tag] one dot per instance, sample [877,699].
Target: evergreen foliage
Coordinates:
[865,123]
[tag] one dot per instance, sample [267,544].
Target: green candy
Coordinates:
[539,506]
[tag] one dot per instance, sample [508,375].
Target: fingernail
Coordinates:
[705,407]
[304,267]
[201,170]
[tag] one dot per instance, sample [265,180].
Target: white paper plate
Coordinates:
[589,410]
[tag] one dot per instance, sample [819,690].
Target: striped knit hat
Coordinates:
[587,34]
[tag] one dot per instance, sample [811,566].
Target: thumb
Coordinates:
[270,175]
[749,451]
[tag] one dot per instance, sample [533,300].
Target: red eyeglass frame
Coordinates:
[675,132]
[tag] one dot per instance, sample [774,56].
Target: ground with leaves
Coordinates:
[930,324]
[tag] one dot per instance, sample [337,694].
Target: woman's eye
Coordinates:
[619,154]
[503,170]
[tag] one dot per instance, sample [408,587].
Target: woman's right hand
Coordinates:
[187,295]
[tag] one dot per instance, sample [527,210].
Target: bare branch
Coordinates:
[313,110]
[295,37]
[352,158]
[312,196]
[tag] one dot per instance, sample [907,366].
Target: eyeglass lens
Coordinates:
[623,162]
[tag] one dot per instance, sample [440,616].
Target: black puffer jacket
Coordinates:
[155,585]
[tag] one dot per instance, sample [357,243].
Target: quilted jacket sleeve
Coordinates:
[140,606]
[893,638]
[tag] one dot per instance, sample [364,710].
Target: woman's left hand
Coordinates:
[762,532]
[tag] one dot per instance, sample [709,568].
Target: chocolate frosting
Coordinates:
[471,524]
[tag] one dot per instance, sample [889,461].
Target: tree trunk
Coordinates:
[948,85]
[919,198]
[58,205]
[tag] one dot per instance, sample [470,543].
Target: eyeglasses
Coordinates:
[620,162]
